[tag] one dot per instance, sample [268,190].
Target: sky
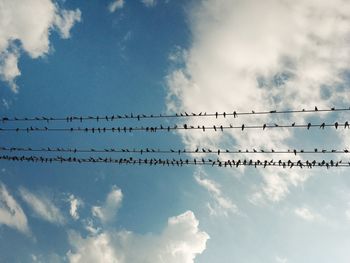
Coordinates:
[102,57]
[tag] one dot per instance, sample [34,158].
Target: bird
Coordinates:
[264,126]
[336,125]
[322,125]
[316,108]
[308,126]
[242,127]
[293,124]
[234,114]
[346,125]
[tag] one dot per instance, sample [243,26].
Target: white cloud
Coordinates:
[74,205]
[261,55]
[26,26]
[180,241]
[281,260]
[116,5]
[43,207]
[305,214]
[149,3]
[11,213]
[108,211]
[223,205]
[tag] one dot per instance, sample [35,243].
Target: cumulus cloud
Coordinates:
[180,241]
[11,213]
[262,55]
[43,207]
[26,26]
[116,5]
[222,204]
[108,211]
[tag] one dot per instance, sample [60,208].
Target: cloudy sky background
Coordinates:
[59,58]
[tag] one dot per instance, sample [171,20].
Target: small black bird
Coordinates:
[242,127]
[322,125]
[308,126]
[316,108]
[264,126]
[336,125]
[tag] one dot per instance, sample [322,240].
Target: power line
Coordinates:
[151,129]
[178,162]
[158,116]
[172,151]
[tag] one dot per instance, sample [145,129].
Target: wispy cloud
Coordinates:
[116,5]
[43,207]
[222,204]
[75,203]
[11,213]
[149,3]
[109,209]
[306,214]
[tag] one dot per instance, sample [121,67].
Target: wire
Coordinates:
[177,162]
[158,116]
[172,128]
[171,151]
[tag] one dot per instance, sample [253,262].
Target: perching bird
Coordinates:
[293,124]
[336,125]
[308,126]
[234,114]
[242,127]
[316,108]
[322,125]
[264,126]
[346,125]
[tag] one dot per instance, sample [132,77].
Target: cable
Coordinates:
[177,162]
[176,115]
[172,128]
[171,151]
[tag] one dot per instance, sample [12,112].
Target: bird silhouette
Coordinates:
[336,125]
[242,127]
[322,125]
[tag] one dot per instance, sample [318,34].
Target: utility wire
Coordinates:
[159,116]
[178,162]
[125,129]
[171,151]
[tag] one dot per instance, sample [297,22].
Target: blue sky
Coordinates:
[60,58]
